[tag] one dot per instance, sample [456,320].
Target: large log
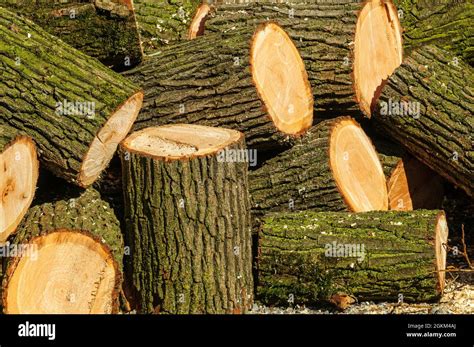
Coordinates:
[427,106]
[309,257]
[250,81]
[19,173]
[163,22]
[75,108]
[334,167]
[348,48]
[68,258]
[188,219]
[106,29]
[447,24]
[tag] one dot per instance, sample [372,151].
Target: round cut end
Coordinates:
[106,141]
[18,176]
[197,26]
[178,141]
[377,51]
[356,168]
[441,250]
[281,80]
[63,272]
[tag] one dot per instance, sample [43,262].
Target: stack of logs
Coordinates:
[279,152]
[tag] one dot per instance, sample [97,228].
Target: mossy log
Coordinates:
[75,108]
[187,219]
[447,24]
[348,48]
[248,80]
[427,106]
[19,169]
[334,167]
[106,30]
[68,260]
[309,257]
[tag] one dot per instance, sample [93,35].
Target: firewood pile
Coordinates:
[182,157]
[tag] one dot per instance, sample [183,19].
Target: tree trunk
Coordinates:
[76,113]
[19,166]
[334,167]
[426,107]
[188,220]
[73,244]
[348,48]
[447,24]
[106,30]
[162,22]
[309,257]
[249,81]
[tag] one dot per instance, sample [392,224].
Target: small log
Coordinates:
[312,257]
[75,108]
[250,81]
[19,173]
[68,260]
[187,220]
[427,107]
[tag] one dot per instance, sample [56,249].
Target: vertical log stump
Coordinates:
[188,219]
[68,258]
[18,176]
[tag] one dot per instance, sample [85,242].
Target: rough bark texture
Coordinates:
[81,211]
[37,76]
[447,24]
[105,30]
[325,31]
[163,21]
[188,226]
[439,132]
[299,178]
[7,136]
[390,153]
[207,82]
[297,256]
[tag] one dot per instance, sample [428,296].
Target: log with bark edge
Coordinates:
[75,108]
[348,48]
[427,105]
[447,24]
[188,219]
[71,258]
[18,176]
[162,22]
[249,80]
[106,30]
[372,256]
[334,167]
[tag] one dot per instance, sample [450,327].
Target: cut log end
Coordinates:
[356,168]
[106,141]
[18,176]
[197,26]
[281,80]
[441,242]
[180,141]
[64,272]
[377,51]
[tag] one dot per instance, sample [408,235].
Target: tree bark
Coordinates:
[106,30]
[310,257]
[426,107]
[188,226]
[325,35]
[20,168]
[447,24]
[76,113]
[303,177]
[162,22]
[57,233]
[210,82]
